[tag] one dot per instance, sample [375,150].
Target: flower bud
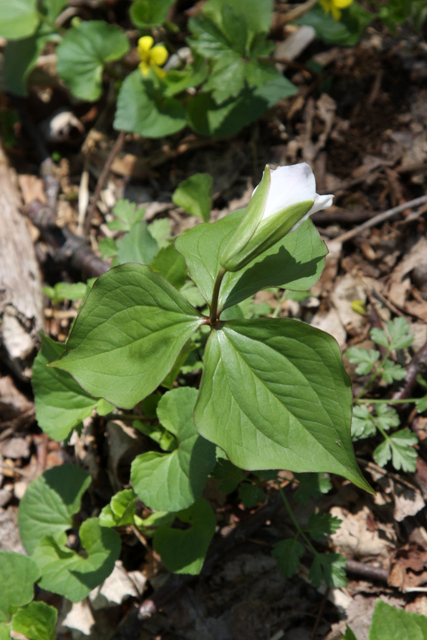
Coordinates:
[284,198]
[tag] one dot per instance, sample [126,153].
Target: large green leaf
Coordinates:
[389,623]
[71,575]
[18,574]
[208,118]
[83,53]
[137,245]
[274,395]
[194,195]
[36,621]
[184,551]
[143,108]
[173,481]
[4,631]
[128,335]
[49,504]
[19,19]
[171,265]
[61,404]
[145,13]
[296,262]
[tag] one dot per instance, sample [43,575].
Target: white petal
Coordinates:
[320,202]
[290,185]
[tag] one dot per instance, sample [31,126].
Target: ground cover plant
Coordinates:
[189,407]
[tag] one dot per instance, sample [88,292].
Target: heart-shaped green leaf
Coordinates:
[18,19]
[128,335]
[83,53]
[66,572]
[296,262]
[173,481]
[36,621]
[49,504]
[274,395]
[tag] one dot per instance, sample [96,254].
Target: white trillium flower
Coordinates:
[282,201]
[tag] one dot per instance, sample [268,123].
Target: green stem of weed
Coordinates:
[300,531]
[213,316]
[386,401]
[374,376]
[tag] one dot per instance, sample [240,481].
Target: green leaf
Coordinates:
[421,404]
[66,572]
[128,335]
[36,621]
[121,510]
[4,632]
[174,481]
[321,525]
[387,417]
[138,245]
[328,568]
[346,31]
[288,554]
[49,504]
[67,291]
[362,424]
[257,14]
[251,495]
[61,404]
[296,262]
[398,334]
[19,19]
[149,13]
[18,573]
[389,623]
[83,53]
[20,57]
[228,475]
[295,398]
[127,215]
[227,77]
[311,486]
[208,118]
[364,359]
[398,448]
[143,108]
[107,247]
[171,265]
[184,551]
[349,635]
[160,229]
[194,195]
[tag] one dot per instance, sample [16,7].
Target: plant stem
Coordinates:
[295,521]
[387,400]
[374,375]
[51,24]
[213,316]
[276,311]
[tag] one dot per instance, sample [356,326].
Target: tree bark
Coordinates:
[21,296]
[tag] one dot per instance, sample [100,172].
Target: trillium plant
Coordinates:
[273,393]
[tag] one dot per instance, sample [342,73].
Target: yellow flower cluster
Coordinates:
[335,6]
[151,57]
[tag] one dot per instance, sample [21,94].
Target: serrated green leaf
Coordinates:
[398,448]
[362,424]
[107,247]
[84,51]
[421,404]
[171,265]
[127,214]
[36,621]
[392,371]
[328,568]
[228,475]
[184,551]
[148,13]
[321,525]
[288,554]
[143,108]
[296,262]
[311,486]
[161,230]
[128,335]
[18,573]
[227,77]
[379,336]
[364,359]
[137,245]
[398,329]
[19,19]
[208,118]
[49,503]
[251,495]
[389,623]
[61,404]
[66,572]
[387,417]
[194,195]
[174,481]
[293,410]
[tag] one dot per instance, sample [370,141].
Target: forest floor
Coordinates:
[361,125]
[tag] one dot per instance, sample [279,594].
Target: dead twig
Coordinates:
[381,217]
[102,178]
[417,366]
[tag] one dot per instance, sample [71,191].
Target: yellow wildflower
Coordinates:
[151,57]
[335,6]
